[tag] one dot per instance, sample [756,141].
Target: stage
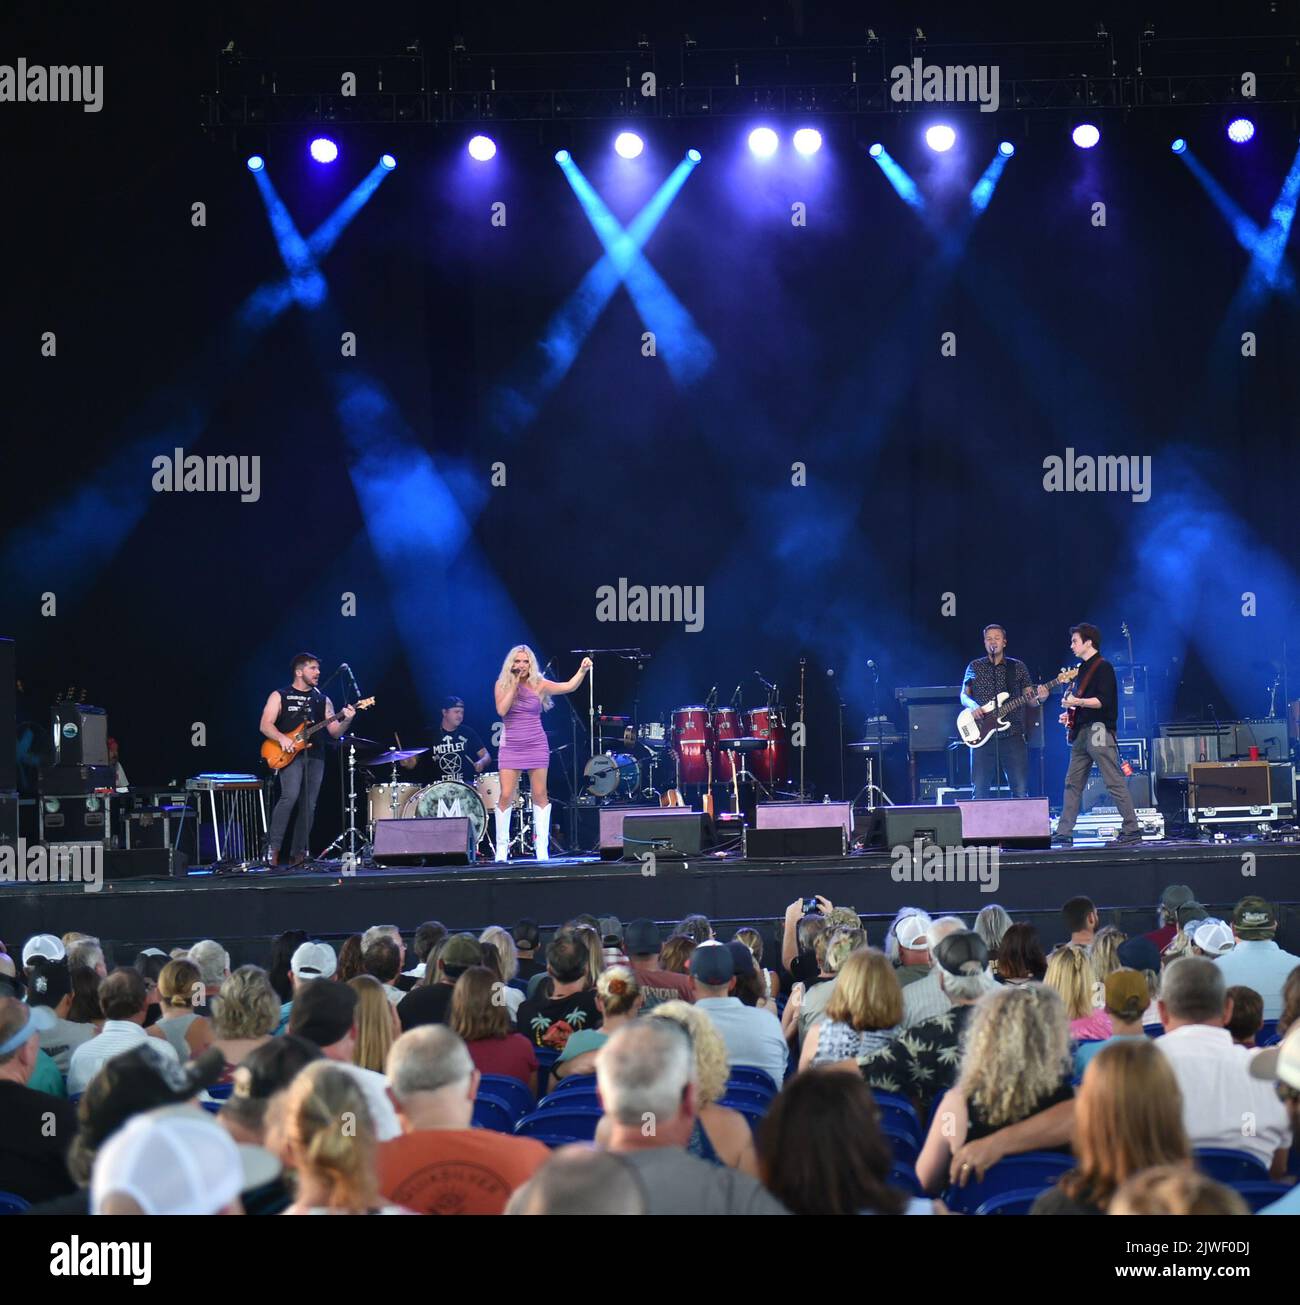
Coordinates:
[245,910]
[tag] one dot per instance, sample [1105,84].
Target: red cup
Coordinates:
[1254,754]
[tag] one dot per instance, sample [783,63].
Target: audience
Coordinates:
[1247,1015]
[440,1164]
[1223,1105]
[697,928]
[124,999]
[619,998]
[1013,1093]
[480,1017]
[749,980]
[1127,997]
[88,954]
[49,985]
[864,1012]
[768,980]
[753,1036]
[675,956]
[382,961]
[925,999]
[1257,961]
[832,948]
[822,1151]
[1176,1190]
[578,1181]
[1127,1117]
[265,1071]
[179,986]
[498,944]
[1070,975]
[799,937]
[214,969]
[426,939]
[1020,958]
[656,982]
[310,960]
[244,1016]
[377,1023]
[349,962]
[549,1021]
[1290,1004]
[1280,1067]
[84,1007]
[528,939]
[1210,937]
[1104,951]
[430,1002]
[1081,920]
[646,1080]
[992,924]
[281,967]
[1171,899]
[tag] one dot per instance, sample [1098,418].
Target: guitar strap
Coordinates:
[1078,692]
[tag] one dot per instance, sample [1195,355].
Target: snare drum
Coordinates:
[692,742]
[772,764]
[448,798]
[387,800]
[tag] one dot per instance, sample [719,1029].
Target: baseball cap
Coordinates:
[641,937]
[527,933]
[962,952]
[313,960]
[1280,1063]
[459,952]
[177,1161]
[1176,895]
[1139,954]
[712,963]
[46,945]
[1127,993]
[1189,913]
[48,982]
[1254,916]
[140,1080]
[910,932]
[742,959]
[611,930]
[323,1011]
[38,1018]
[1212,936]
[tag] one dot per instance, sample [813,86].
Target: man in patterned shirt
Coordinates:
[1007,750]
[923,1062]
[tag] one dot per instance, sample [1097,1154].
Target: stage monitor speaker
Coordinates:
[446,840]
[1096,794]
[1269,736]
[902,826]
[1006,822]
[602,827]
[1228,784]
[796,840]
[666,833]
[1281,782]
[145,863]
[8,717]
[806,815]
[80,734]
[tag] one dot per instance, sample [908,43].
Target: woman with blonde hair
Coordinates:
[619,999]
[1128,1117]
[1070,974]
[863,1013]
[754,941]
[326,1136]
[378,1026]
[507,954]
[722,1136]
[522,693]
[181,1023]
[479,1016]
[1014,1066]
[1103,951]
[244,1016]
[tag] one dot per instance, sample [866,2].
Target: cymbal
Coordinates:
[392,755]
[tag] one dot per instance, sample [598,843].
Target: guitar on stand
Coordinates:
[994,718]
[278,758]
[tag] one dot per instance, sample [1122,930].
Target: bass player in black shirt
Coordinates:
[1090,717]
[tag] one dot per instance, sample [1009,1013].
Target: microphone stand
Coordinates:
[350,835]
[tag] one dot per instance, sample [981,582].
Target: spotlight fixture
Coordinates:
[256,163]
[628,145]
[807,140]
[561,156]
[1240,130]
[388,162]
[1178,146]
[693,155]
[940,138]
[1085,135]
[324,150]
[1006,148]
[876,149]
[763,142]
[482,148]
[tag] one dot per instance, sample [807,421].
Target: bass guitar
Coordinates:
[278,758]
[976,733]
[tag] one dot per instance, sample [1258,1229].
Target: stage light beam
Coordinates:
[905,187]
[256,163]
[628,145]
[1241,130]
[324,150]
[1085,135]
[481,148]
[1179,146]
[940,138]
[807,140]
[387,162]
[763,142]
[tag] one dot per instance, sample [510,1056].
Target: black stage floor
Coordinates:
[243,910]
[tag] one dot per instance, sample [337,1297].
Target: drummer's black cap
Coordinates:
[453,701]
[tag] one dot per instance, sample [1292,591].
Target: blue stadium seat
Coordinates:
[1016,1201]
[510,1090]
[546,1058]
[1226,1165]
[575,1083]
[900,1110]
[493,1113]
[752,1077]
[755,1096]
[902,1141]
[1035,1170]
[11,1204]
[752,1111]
[904,1179]
[583,1095]
[1154,1030]
[1258,1195]
[1267,1035]
[560,1124]
[221,1091]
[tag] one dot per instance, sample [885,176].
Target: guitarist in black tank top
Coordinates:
[297,703]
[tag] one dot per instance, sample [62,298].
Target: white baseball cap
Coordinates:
[46,945]
[313,960]
[911,933]
[1281,1063]
[1213,937]
[177,1160]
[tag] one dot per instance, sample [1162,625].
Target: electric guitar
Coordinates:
[976,733]
[278,758]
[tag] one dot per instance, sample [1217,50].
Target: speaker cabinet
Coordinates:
[902,826]
[1096,794]
[1006,822]
[667,833]
[440,841]
[796,841]
[80,734]
[806,815]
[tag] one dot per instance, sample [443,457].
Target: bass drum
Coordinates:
[488,787]
[387,801]
[692,744]
[726,725]
[448,798]
[611,772]
[772,764]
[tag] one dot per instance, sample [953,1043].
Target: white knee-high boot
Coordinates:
[542,832]
[503,832]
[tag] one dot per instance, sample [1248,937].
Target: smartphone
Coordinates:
[810,906]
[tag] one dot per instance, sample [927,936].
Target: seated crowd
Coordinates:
[624,1070]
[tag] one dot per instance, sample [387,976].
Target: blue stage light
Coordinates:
[876,150]
[807,140]
[1240,130]
[940,137]
[324,150]
[1006,149]
[387,161]
[628,145]
[256,163]
[693,155]
[1178,146]
[763,142]
[482,148]
[561,156]
[1085,135]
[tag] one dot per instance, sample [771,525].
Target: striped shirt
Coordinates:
[117,1036]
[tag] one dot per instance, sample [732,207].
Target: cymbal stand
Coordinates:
[803,736]
[358,845]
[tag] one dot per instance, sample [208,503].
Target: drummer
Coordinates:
[457,752]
